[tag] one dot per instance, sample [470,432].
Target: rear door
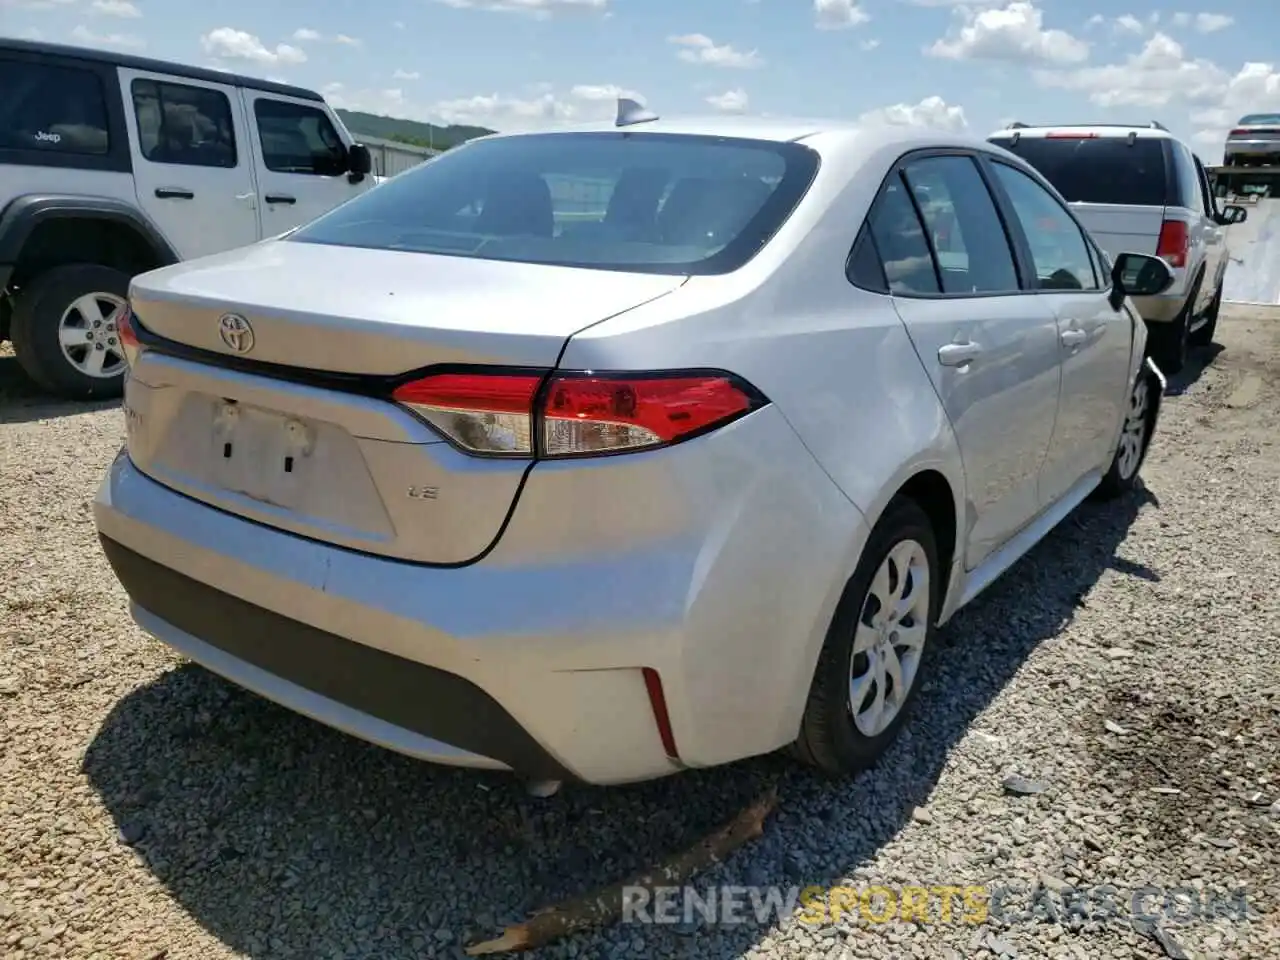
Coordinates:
[1095,341]
[989,347]
[1117,185]
[302,160]
[194,166]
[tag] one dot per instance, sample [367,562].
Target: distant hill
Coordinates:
[409,131]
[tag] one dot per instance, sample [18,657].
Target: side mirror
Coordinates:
[359,162]
[1232,214]
[1138,275]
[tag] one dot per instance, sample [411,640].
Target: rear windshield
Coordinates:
[1260,120]
[1097,169]
[655,203]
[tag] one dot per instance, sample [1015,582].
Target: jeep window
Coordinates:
[52,108]
[298,139]
[185,125]
[1094,169]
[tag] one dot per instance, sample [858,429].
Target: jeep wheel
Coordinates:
[63,333]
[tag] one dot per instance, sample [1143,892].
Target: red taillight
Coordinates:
[1239,133]
[661,716]
[575,414]
[122,320]
[1174,243]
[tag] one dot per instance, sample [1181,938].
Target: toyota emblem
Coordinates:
[235,332]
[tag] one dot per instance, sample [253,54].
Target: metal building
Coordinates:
[392,156]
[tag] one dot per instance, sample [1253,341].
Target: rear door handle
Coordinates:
[958,354]
[280,198]
[1074,337]
[174,193]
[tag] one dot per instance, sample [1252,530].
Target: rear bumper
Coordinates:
[1162,309]
[532,658]
[1269,149]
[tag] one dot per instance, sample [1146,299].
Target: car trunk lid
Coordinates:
[298,431]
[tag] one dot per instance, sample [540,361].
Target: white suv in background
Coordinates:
[112,165]
[1138,189]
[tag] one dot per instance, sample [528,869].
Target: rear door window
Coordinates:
[53,109]
[1058,247]
[964,228]
[1094,169]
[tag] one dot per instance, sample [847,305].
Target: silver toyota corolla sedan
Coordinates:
[608,452]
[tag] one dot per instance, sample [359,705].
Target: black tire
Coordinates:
[829,738]
[1203,336]
[35,330]
[1135,439]
[1169,342]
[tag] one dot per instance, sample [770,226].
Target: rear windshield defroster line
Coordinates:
[674,204]
[1098,169]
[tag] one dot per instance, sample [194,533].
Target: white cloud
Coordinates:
[596,92]
[932,112]
[307,35]
[1014,33]
[1213,22]
[1153,77]
[1128,23]
[838,14]
[116,8]
[869,45]
[406,75]
[585,102]
[227,43]
[541,9]
[699,48]
[731,101]
[87,38]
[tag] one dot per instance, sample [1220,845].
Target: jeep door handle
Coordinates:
[958,354]
[280,198]
[1074,337]
[174,193]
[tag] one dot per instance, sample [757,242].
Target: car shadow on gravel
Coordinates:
[22,401]
[285,839]
[1198,360]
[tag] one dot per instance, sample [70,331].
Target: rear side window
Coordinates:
[52,108]
[182,124]
[900,239]
[1097,169]
[1188,194]
[964,228]
[639,202]
[1058,248]
[298,139]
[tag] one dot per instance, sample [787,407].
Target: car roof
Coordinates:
[40,48]
[779,130]
[1140,130]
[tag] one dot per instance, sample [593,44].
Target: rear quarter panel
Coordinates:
[835,361]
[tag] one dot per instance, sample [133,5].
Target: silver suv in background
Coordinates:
[1138,189]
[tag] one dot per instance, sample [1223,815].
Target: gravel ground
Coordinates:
[1127,669]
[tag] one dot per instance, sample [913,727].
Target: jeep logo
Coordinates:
[49,137]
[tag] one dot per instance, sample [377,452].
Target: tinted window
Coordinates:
[1188,195]
[1097,169]
[298,139]
[657,203]
[1058,248]
[864,268]
[966,233]
[901,242]
[183,124]
[51,108]
[1260,120]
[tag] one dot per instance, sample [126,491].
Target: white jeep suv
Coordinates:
[1140,189]
[112,165]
